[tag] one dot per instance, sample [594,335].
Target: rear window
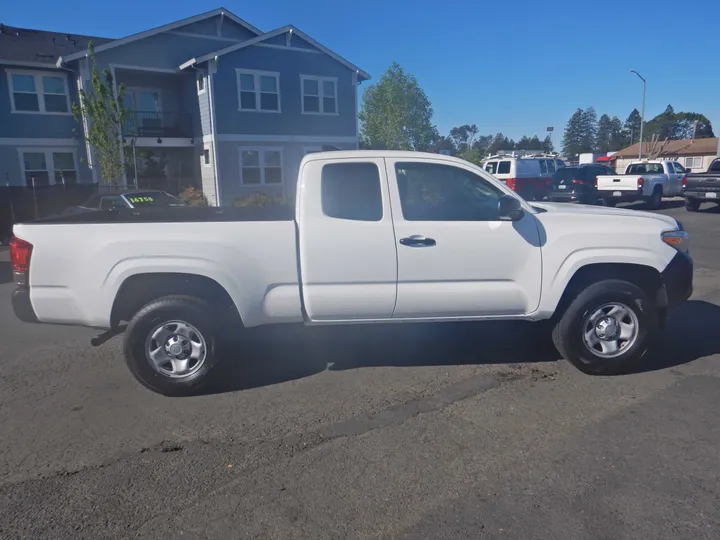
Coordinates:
[504,167]
[645,168]
[566,173]
[351,191]
[715,166]
[491,167]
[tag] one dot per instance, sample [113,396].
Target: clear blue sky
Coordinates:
[514,67]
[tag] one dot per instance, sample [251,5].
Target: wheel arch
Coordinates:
[140,289]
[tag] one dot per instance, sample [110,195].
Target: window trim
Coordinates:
[39,91]
[261,159]
[256,81]
[200,76]
[321,94]
[49,161]
[206,163]
[693,158]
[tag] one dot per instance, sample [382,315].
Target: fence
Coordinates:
[21,203]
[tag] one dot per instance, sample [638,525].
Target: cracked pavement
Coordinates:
[445,431]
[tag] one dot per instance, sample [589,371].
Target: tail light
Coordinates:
[549,183]
[20,252]
[640,182]
[576,181]
[684,182]
[510,182]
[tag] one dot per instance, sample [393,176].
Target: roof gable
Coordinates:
[268,37]
[160,29]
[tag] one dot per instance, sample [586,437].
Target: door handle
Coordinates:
[417,240]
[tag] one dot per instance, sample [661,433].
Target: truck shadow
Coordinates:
[6,275]
[275,355]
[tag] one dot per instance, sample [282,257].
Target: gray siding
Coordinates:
[229,168]
[207,175]
[204,111]
[290,65]
[228,29]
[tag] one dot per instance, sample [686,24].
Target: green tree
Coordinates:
[632,127]
[589,128]
[686,128]
[464,136]
[444,145]
[603,140]
[501,143]
[396,114]
[618,138]
[573,136]
[103,113]
[547,144]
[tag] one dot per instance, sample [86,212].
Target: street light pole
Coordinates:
[642,114]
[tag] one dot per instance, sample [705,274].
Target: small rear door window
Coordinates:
[351,191]
[543,166]
[503,167]
[491,167]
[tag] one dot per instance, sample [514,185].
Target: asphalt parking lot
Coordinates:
[451,431]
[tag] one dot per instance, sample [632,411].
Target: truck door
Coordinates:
[456,259]
[674,178]
[348,259]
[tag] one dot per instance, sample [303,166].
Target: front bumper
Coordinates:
[677,279]
[22,306]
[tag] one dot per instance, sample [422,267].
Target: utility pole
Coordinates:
[642,113]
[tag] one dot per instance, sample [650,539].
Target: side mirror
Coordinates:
[509,208]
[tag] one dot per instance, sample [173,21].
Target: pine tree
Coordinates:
[618,139]
[632,127]
[603,139]
[547,144]
[589,128]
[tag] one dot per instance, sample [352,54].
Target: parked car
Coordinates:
[527,175]
[703,187]
[644,180]
[376,237]
[577,183]
[128,199]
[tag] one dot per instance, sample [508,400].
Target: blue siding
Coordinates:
[290,65]
[233,30]
[35,125]
[229,29]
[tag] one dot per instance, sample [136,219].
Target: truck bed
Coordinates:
[79,261]
[703,186]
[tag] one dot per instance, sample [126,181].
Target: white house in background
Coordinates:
[693,154]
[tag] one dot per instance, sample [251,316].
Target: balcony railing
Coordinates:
[158,124]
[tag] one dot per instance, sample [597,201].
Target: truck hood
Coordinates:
[574,209]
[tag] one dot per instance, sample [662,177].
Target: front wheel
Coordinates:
[170,345]
[607,329]
[692,205]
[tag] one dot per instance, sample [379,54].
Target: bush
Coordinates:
[260,199]
[193,196]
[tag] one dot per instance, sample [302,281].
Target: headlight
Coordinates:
[680,240]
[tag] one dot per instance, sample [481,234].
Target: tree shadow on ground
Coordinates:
[274,355]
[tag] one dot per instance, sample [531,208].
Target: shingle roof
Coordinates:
[19,45]
[687,147]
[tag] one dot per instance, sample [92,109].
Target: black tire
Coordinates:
[568,334]
[170,308]
[655,201]
[692,205]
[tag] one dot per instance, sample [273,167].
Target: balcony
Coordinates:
[158,124]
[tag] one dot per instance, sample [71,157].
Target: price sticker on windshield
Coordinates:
[141,199]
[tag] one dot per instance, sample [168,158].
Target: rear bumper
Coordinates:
[22,306]
[677,279]
[560,196]
[626,195]
[714,194]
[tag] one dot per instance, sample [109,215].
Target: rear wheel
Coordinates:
[655,202]
[692,205]
[170,345]
[607,329]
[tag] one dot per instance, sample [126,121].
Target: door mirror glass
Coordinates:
[509,208]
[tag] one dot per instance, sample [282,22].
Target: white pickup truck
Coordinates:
[375,237]
[644,180]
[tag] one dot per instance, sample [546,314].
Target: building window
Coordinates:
[206,157]
[38,92]
[200,82]
[260,166]
[46,167]
[258,90]
[319,95]
[693,162]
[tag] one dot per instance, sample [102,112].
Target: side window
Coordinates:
[107,203]
[551,166]
[435,192]
[715,166]
[503,167]
[670,168]
[491,167]
[543,166]
[351,191]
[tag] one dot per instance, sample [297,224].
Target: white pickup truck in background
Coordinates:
[375,237]
[644,180]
